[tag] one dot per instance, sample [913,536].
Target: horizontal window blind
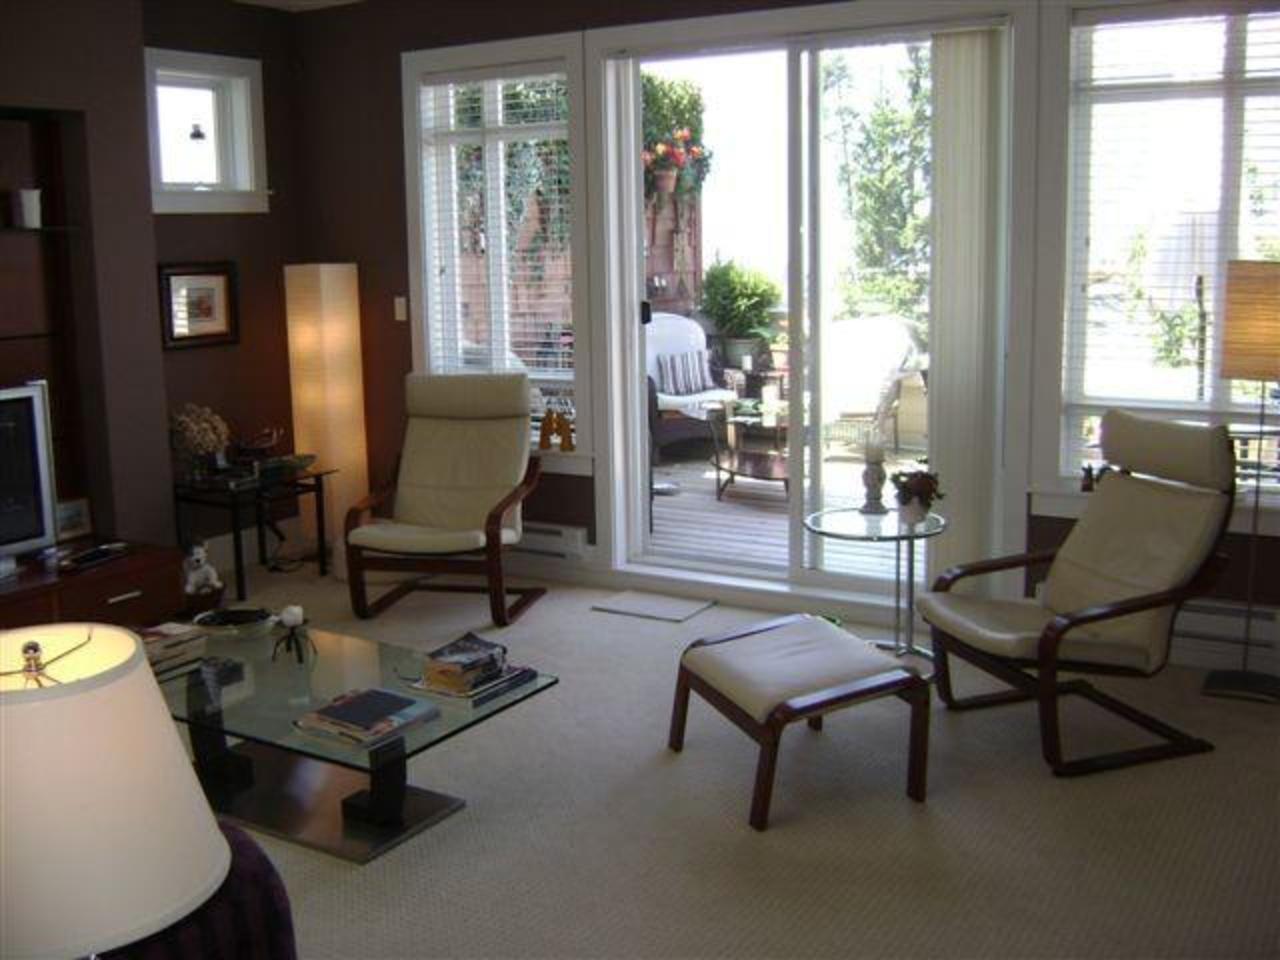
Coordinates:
[496,178]
[1175,169]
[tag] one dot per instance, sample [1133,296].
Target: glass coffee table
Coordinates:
[347,800]
[850,523]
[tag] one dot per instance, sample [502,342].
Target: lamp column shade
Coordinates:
[105,834]
[327,381]
[1251,321]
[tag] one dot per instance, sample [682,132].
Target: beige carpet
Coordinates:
[584,837]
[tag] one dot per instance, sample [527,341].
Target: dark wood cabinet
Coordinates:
[142,587]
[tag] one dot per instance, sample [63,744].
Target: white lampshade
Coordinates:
[105,834]
[326,377]
[1251,321]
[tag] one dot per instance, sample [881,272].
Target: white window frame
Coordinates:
[558,52]
[1055,492]
[236,84]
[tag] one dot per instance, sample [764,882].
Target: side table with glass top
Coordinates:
[237,494]
[851,524]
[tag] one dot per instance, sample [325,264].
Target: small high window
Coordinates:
[208,150]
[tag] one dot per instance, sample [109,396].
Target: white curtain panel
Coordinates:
[963,368]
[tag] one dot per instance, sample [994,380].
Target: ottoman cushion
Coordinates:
[761,671]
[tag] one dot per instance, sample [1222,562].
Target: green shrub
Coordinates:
[738,300]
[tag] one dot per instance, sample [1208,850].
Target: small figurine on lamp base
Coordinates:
[295,640]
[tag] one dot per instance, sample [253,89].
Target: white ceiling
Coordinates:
[298,6]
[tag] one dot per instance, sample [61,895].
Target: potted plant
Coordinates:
[915,490]
[671,158]
[738,300]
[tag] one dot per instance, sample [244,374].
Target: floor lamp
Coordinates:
[1251,351]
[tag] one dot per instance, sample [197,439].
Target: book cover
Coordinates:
[508,679]
[467,652]
[367,716]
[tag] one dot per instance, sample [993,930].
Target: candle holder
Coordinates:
[873,478]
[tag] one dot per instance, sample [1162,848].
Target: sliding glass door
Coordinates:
[808,192]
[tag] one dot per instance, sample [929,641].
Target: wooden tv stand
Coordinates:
[140,587]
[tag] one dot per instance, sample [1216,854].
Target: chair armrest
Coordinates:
[366,505]
[980,567]
[493,522]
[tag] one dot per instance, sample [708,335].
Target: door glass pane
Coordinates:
[872,342]
[714,163]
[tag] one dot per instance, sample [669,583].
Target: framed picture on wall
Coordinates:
[198,304]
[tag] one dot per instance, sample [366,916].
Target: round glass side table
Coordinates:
[850,523]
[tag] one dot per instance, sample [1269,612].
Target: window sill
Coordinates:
[576,464]
[1070,504]
[210,201]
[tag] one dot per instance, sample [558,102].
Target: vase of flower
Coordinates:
[200,439]
[915,491]
[667,158]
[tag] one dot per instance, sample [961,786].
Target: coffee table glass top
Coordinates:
[261,698]
[849,523]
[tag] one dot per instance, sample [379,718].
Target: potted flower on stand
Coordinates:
[915,490]
[675,162]
[739,301]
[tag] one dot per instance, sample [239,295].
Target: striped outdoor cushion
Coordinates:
[684,373]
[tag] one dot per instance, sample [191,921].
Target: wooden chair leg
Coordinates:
[1050,729]
[679,711]
[497,590]
[765,768]
[942,668]
[356,584]
[815,723]
[918,756]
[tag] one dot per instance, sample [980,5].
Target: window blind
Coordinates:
[1174,169]
[496,177]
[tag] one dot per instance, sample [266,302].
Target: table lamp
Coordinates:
[105,834]
[1251,351]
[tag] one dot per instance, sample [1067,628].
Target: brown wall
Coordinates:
[246,382]
[85,57]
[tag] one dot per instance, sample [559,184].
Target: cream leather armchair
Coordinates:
[464,470]
[1145,544]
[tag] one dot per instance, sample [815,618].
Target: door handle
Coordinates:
[646,313]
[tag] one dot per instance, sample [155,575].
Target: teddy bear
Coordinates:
[201,577]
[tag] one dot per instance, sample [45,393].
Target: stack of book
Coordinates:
[367,717]
[173,646]
[472,668]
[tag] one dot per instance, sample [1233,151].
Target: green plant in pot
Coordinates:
[739,301]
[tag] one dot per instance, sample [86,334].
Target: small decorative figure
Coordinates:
[873,477]
[201,576]
[295,639]
[564,430]
[548,428]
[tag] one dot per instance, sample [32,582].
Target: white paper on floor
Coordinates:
[654,606]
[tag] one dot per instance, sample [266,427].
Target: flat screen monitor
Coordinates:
[27,493]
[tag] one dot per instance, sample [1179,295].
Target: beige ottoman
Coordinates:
[799,667]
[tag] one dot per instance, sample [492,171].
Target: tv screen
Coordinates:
[23,510]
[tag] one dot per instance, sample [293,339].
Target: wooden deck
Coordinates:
[748,526]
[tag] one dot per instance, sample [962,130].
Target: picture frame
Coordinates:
[73,519]
[198,304]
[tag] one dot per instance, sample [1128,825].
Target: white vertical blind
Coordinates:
[1174,169]
[496,183]
[965,252]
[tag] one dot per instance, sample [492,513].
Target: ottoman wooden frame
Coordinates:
[897,681]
